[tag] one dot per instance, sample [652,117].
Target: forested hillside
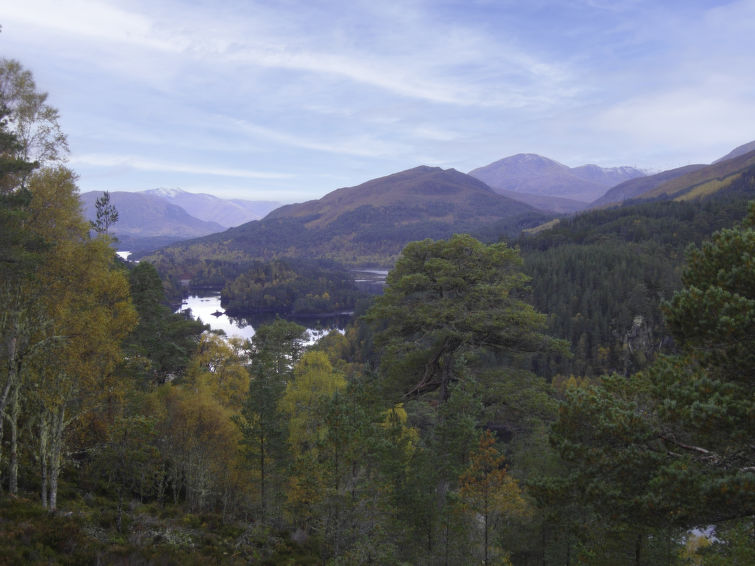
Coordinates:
[602,275]
[583,395]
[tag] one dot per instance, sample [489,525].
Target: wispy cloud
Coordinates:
[364,145]
[441,67]
[297,90]
[143,164]
[94,20]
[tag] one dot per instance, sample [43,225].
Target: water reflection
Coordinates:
[208,310]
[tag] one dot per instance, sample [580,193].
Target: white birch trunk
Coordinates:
[13,460]
[44,439]
[56,449]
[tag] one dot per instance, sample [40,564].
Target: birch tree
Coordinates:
[34,122]
[89,313]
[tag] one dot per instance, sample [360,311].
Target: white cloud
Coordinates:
[423,58]
[363,145]
[140,163]
[93,20]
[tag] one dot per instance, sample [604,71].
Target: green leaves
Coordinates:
[714,315]
[107,214]
[446,300]
[673,445]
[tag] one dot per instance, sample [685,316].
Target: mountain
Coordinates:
[706,181]
[372,222]
[429,192]
[147,222]
[635,187]
[226,212]
[737,151]
[538,175]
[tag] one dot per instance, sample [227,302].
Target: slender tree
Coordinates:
[487,489]
[107,214]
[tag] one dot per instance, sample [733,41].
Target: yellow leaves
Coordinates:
[396,414]
[562,383]
[55,213]
[304,401]
[486,487]
[85,298]
[695,542]
[218,370]
[315,381]
[202,442]
[406,436]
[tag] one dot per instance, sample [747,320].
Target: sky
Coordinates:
[287,100]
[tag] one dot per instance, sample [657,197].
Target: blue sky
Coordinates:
[287,100]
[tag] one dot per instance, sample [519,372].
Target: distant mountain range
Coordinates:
[706,181]
[146,221]
[535,175]
[684,183]
[159,217]
[226,212]
[371,223]
[635,187]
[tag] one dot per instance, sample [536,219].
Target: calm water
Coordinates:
[208,310]
[202,308]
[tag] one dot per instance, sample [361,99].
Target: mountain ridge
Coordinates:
[703,181]
[633,188]
[737,151]
[370,223]
[148,215]
[225,212]
[537,175]
[147,222]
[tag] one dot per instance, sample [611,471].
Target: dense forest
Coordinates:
[603,275]
[583,395]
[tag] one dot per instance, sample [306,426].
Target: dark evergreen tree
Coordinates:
[163,342]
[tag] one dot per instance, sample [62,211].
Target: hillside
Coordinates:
[705,181]
[364,225]
[430,193]
[538,175]
[635,187]
[146,221]
[602,274]
[225,212]
[737,151]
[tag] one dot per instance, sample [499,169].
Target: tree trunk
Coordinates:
[13,462]
[12,373]
[638,550]
[485,521]
[44,436]
[262,478]
[56,450]
[9,383]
